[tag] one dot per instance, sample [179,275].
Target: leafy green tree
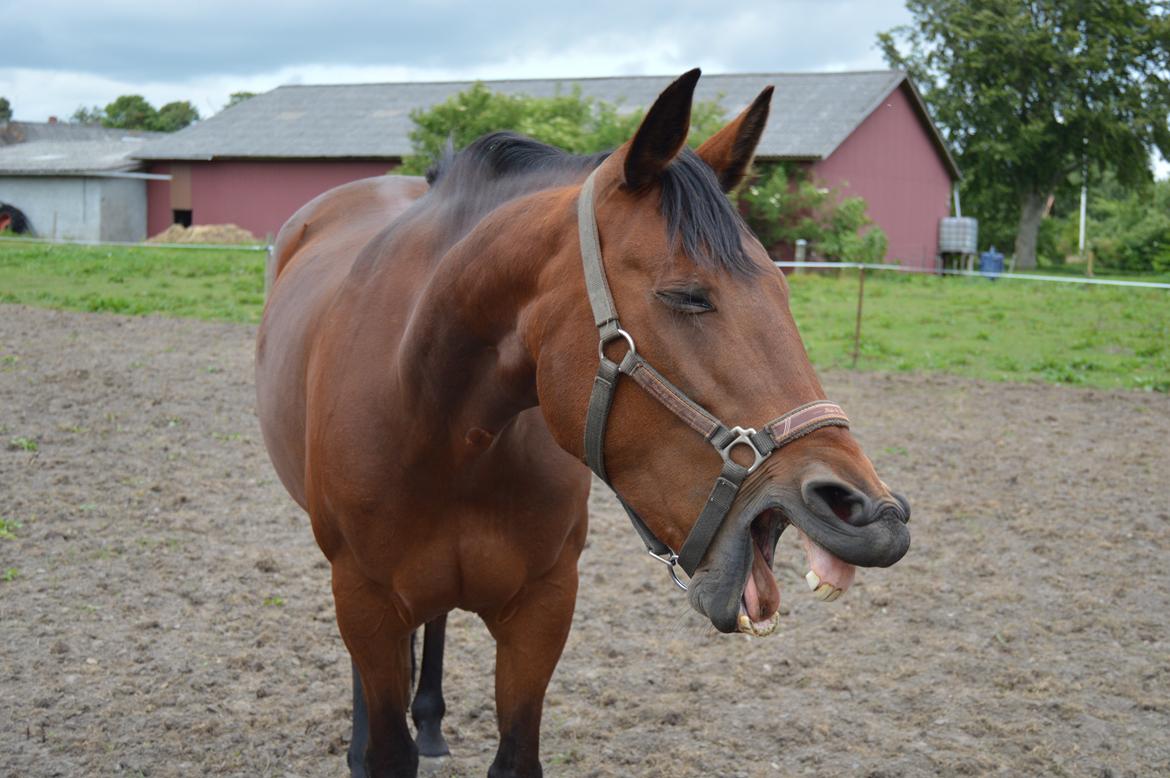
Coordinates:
[235,98]
[1128,228]
[5,110]
[783,205]
[174,116]
[569,121]
[134,112]
[1030,92]
[130,112]
[83,115]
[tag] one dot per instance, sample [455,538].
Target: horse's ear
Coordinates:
[729,152]
[663,132]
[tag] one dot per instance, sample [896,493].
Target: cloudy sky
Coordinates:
[56,55]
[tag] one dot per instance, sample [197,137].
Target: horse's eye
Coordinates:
[692,301]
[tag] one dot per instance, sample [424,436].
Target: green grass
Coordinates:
[1000,330]
[8,528]
[21,443]
[223,285]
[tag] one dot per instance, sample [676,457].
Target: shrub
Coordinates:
[783,205]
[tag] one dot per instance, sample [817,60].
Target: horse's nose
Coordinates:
[905,507]
[832,497]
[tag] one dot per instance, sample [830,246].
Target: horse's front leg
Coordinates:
[379,644]
[530,634]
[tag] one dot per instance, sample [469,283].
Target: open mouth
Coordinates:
[759,605]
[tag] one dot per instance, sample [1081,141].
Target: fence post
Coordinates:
[857,325]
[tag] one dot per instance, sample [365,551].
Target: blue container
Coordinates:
[991,263]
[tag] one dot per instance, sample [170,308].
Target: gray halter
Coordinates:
[762,444]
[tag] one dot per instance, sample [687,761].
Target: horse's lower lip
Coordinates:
[759,602]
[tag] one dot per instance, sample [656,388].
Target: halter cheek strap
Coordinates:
[761,444]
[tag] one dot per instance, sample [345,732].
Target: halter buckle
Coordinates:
[743,436]
[612,336]
[670,559]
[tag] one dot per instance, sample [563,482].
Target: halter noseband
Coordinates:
[762,443]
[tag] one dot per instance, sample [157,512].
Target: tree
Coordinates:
[134,112]
[5,110]
[1128,228]
[85,115]
[1030,92]
[174,116]
[577,124]
[235,98]
[129,112]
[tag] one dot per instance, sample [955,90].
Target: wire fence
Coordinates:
[810,265]
[972,274]
[862,267]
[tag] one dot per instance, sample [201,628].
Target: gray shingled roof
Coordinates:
[70,157]
[812,113]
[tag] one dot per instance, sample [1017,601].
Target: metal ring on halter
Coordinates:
[670,559]
[618,333]
[743,437]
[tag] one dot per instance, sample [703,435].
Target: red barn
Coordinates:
[254,164]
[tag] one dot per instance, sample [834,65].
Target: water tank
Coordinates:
[958,235]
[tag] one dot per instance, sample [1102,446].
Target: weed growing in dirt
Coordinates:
[8,528]
[21,443]
[10,574]
[274,601]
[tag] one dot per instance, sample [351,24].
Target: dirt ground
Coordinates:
[165,612]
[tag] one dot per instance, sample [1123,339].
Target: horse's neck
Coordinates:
[463,365]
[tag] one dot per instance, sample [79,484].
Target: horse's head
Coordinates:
[706,308]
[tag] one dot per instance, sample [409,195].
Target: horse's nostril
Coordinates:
[846,504]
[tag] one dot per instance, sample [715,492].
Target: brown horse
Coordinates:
[426,366]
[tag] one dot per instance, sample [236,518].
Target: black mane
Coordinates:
[501,165]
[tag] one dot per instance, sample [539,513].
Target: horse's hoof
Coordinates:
[356,768]
[431,743]
[433,765]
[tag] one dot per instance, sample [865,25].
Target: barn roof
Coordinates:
[70,157]
[812,114]
[61,148]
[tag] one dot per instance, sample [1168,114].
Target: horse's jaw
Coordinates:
[735,588]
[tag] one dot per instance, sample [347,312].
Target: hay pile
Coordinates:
[204,233]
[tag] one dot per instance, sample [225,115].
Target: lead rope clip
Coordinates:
[670,559]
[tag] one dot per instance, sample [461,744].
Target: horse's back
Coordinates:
[312,257]
[365,207]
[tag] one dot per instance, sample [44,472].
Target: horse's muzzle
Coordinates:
[849,524]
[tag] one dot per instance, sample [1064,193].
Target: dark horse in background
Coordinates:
[424,371]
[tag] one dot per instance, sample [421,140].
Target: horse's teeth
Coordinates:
[824,591]
[813,580]
[765,628]
[832,597]
[745,623]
